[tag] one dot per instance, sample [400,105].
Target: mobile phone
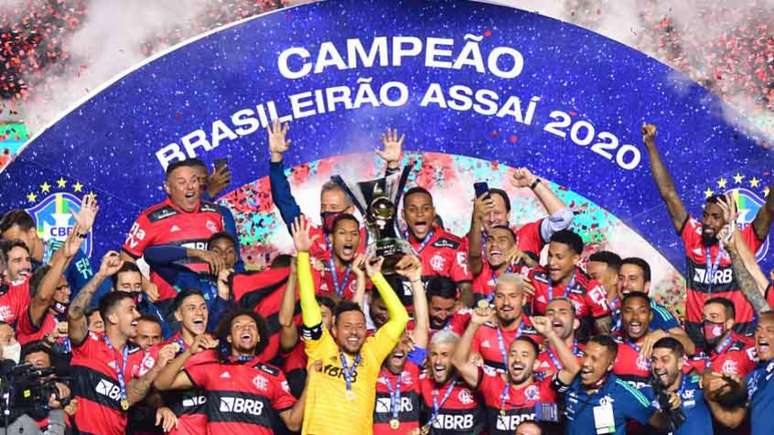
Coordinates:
[480,188]
[220,163]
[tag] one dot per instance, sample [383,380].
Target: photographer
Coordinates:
[36,396]
[693,417]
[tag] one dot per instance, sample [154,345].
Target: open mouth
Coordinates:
[518,367]
[199,324]
[439,370]
[348,250]
[763,346]
[398,356]
[354,341]
[134,323]
[635,328]
[420,227]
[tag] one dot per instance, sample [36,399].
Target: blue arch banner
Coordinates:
[462,78]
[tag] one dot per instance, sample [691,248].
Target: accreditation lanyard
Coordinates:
[349,372]
[394,395]
[570,285]
[335,276]
[712,266]
[501,343]
[120,366]
[424,243]
[437,406]
[555,358]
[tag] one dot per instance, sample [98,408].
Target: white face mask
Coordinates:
[11,352]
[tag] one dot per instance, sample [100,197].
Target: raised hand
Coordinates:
[214,259]
[542,325]
[373,265]
[522,177]
[393,147]
[202,342]
[278,143]
[88,212]
[218,181]
[482,314]
[111,263]
[649,134]
[358,266]
[409,267]
[483,205]
[73,242]
[302,240]
[224,291]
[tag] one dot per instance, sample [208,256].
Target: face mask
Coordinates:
[60,310]
[713,331]
[327,218]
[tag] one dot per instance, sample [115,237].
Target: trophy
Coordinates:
[377,200]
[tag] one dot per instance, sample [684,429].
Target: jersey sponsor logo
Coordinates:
[454,422]
[465,397]
[208,207]
[108,389]
[54,219]
[195,401]
[722,276]
[437,262]
[240,405]
[161,213]
[446,243]
[510,422]
[136,235]
[383,405]
[337,372]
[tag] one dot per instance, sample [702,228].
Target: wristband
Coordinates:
[81,235]
[535,183]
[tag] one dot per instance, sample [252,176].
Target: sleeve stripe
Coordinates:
[637,395]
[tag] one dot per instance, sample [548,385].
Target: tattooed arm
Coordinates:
[76,318]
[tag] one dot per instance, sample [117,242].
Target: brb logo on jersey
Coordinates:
[53,215]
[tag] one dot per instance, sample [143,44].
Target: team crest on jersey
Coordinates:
[642,363]
[465,397]
[750,194]
[54,216]
[260,383]
[437,262]
[729,367]
[211,226]
[532,393]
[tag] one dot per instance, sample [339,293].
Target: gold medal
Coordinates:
[350,395]
[425,429]
[124,404]
[502,412]
[483,303]
[394,423]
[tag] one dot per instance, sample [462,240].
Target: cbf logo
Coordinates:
[53,214]
[750,195]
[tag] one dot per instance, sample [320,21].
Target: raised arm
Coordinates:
[280,188]
[310,309]
[570,365]
[762,222]
[391,153]
[559,215]
[77,328]
[44,294]
[410,267]
[138,388]
[481,205]
[666,187]
[713,384]
[461,358]
[395,309]
[288,329]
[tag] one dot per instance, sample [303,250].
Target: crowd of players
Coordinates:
[504,330]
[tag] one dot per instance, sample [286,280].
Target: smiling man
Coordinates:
[182,219]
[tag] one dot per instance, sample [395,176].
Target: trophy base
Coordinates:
[392,250]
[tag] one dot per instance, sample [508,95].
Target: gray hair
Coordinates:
[444,337]
[331,185]
[511,278]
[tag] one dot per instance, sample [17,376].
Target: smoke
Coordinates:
[109,42]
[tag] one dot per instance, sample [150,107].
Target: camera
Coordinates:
[26,390]
[676,417]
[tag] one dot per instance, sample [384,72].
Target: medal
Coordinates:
[502,412]
[121,361]
[425,429]
[349,374]
[394,423]
[124,404]
[483,303]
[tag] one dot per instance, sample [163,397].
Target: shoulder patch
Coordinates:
[209,207]
[541,276]
[161,213]
[268,369]
[445,242]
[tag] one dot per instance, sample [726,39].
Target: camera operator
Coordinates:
[37,397]
[693,417]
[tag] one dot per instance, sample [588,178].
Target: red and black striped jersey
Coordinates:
[407,406]
[519,404]
[460,413]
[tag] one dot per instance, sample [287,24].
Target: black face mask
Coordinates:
[60,310]
[327,218]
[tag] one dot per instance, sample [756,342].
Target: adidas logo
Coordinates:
[225,375]
[486,344]
[174,229]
